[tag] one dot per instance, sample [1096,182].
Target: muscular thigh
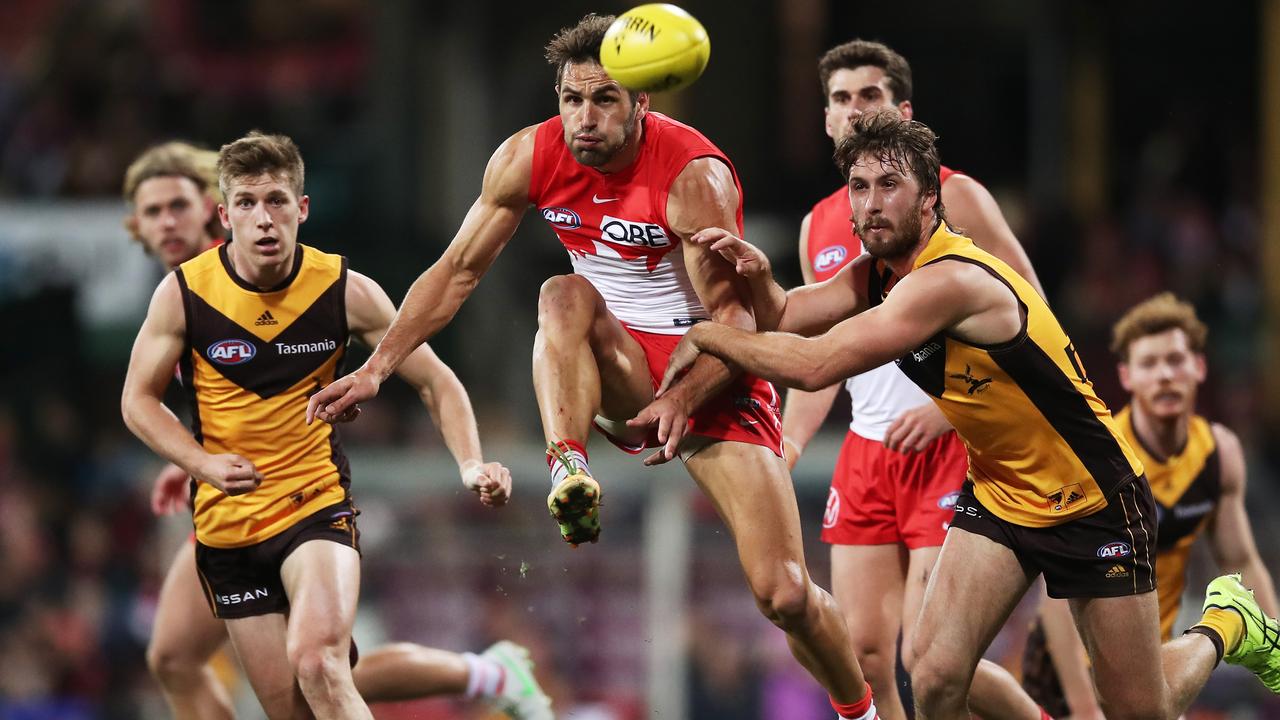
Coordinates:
[626,381]
[975,584]
[752,491]
[1122,635]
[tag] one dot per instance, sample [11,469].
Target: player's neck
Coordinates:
[905,263]
[260,276]
[1165,437]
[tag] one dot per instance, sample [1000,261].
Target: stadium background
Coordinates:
[1133,146]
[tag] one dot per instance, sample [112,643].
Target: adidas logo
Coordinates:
[1117,572]
[265,319]
[1074,497]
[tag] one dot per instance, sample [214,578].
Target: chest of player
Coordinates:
[1185,496]
[608,218]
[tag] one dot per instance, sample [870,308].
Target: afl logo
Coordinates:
[829,258]
[948,501]
[231,352]
[562,218]
[832,512]
[1114,550]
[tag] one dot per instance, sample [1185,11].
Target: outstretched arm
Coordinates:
[437,294]
[1230,535]
[369,313]
[156,350]
[946,295]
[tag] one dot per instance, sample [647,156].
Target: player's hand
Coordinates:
[230,473]
[684,355]
[491,481]
[171,490]
[671,414]
[916,428]
[339,401]
[748,260]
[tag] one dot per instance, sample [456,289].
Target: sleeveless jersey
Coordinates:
[1186,488]
[253,358]
[880,395]
[614,225]
[1043,448]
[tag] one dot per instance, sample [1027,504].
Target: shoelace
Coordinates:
[557,454]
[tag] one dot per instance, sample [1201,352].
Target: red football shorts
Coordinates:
[880,496]
[745,411]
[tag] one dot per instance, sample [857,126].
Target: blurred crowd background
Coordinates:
[1132,146]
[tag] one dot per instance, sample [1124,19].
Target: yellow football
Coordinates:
[655,47]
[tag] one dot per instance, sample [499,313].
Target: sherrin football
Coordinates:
[655,47]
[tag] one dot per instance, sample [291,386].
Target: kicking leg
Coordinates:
[184,637]
[584,363]
[259,642]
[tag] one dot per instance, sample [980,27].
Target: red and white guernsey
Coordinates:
[614,225]
[880,395]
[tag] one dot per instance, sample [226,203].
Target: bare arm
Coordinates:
[971,207]
[369,313]
[437,294]
[1230,535]
[703,195]
[955,296]
[156,350]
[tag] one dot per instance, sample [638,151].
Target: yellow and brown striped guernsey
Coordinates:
[253,357]
[1186,487]
[1043,449]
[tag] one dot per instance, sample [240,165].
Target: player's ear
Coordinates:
[1201,367]
[304,208]
[1122,369]
[223,217]
[641,99]
[905,108]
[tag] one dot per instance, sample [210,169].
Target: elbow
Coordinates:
[814,375]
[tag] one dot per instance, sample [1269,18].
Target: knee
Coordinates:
[169,664]
[785,597]
[318,660]
[564,297]
[874,651]
[939,683]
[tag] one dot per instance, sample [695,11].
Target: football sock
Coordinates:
[485,677]
[864,709]
[1226,625]
[575,454]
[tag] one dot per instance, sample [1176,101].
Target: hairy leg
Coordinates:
[973,588]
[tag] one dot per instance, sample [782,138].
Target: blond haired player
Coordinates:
[275,526]
[901,465]
[1196,470]
[1053,489]
[625,189]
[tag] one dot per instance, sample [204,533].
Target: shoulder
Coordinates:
[507,176]
[1230,456]
[368,305]
[959,188]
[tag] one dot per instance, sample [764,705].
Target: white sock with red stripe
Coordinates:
[864,709]
[485,678]
[575,454]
